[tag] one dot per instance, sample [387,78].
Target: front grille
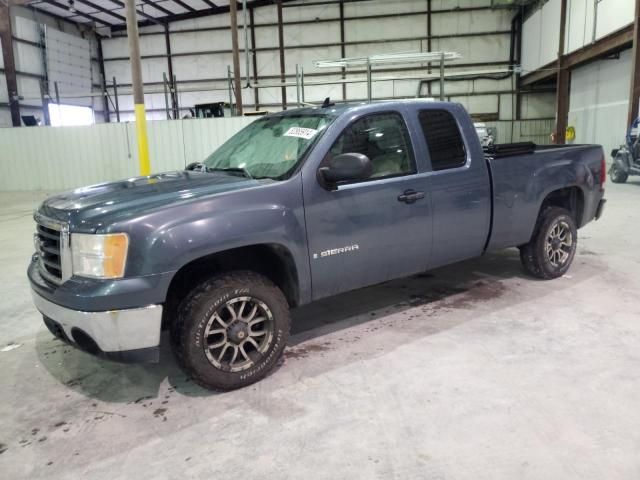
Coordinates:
[52,246]
[49,251]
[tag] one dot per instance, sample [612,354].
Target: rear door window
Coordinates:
[444,141]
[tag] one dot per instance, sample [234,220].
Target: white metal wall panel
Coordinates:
[475,49]
[541,36]
[531,42]
[5,117]
[29,88]
[266,36]
[598,105]
[28,58]
[537,106]
[394,27]
[26,29]
[202,66]
[442,4]
[203,136]
[579,29]
[537,131]
[550,32]
[166,144]
[70,157]
[4,94]
[613,15]
[378,7]
[466,22]
[204,22]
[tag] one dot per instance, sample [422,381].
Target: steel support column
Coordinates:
[172,90]
[103,84]
[138,91]
[9,64]
[233,14]
[429,34]
[343,53]
[634,95]
[562,82]
[281,49]
[254,58]
[518,59]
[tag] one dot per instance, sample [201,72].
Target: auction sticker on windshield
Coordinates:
[306,133]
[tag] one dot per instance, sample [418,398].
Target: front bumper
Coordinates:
[129,335]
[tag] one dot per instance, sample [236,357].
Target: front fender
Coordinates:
[168,239]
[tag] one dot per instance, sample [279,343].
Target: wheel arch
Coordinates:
[274,261]
[571,198]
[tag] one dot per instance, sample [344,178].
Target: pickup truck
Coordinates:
[298,206]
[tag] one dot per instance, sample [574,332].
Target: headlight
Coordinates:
[99,256]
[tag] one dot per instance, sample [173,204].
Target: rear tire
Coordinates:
[617,175]
[553,245]
[231,330]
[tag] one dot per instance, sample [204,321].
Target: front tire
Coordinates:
[231,330]
[553,245]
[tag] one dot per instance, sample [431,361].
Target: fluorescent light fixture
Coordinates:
[389,58]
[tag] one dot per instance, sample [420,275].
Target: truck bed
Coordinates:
[523,174]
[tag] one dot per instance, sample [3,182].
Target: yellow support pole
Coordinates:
[143,142]
[138,91]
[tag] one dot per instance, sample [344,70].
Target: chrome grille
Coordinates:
[49,251]
[52,246]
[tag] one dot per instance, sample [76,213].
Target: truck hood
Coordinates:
[90,208]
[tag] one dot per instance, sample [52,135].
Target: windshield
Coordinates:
[270,147]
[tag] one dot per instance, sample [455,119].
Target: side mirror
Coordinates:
[345,167]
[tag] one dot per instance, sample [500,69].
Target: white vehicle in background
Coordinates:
[484,134]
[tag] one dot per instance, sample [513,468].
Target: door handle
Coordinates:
[410,196]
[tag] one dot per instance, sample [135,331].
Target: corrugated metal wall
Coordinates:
[49,158]
[537,131]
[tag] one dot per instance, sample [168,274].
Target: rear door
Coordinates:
[371,231]
[459,184]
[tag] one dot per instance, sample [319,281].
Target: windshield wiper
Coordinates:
[231,170]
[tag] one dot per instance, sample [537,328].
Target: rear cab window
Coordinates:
[443,138]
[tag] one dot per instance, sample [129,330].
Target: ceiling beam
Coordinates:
[188,8]
[206,12]
[77,13]
[158,7]
[102,9]
[151,19]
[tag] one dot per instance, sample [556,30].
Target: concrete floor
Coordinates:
[473,371]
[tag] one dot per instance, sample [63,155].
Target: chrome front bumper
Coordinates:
[128,335]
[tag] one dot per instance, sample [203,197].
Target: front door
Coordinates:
[375,230]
